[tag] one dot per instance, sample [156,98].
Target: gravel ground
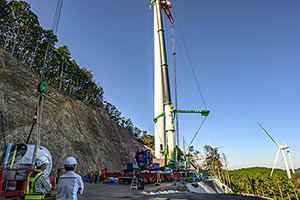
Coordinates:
[103,191]
[121,191]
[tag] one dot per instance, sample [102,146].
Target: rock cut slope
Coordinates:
[69,127]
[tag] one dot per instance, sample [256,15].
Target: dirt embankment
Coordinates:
[68,128]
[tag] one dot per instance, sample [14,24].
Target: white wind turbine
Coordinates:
[281,148]
[289,154]
[215,148]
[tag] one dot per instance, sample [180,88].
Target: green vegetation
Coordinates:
[257,181]
[147,140]
[297,170]
[254,181]
[22,36]
[252,171]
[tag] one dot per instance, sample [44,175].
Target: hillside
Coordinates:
[69,127]
[252,172]
[297,170]
[258,180]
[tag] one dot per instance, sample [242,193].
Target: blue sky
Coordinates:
[245,54]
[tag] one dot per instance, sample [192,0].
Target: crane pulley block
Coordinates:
[42,87]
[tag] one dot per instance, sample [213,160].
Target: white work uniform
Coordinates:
[69,186]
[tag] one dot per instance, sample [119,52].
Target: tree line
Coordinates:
[214,163]
[254,181]
[22,36]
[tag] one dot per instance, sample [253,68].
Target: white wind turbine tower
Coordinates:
[281,148]
[289,154]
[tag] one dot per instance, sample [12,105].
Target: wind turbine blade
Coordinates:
[269,135]
[275,161]
[213,146]
[292,146]
[284,141]
[210,144]
[286,165]
[294,151]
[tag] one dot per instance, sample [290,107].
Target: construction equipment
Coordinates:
[13,177]
[18,164]
[164,137]
[143,160]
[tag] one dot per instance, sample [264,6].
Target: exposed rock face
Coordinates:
[69,127]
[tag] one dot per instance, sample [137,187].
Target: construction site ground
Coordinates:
[163,191]
[103,191]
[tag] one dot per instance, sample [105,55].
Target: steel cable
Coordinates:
[54,29]
[187,53]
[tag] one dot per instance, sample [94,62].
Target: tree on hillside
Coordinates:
[225,163]
[197,158]
[59,60]
[212,160]
[47,38]
[147,140]
[23,37]
[4,13]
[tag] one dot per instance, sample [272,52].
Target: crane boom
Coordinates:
[168,106]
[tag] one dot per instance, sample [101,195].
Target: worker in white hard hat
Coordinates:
[38,183]
[70,184]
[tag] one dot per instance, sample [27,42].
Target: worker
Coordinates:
[97,176]
[92,176]
[69,184]
[38,183]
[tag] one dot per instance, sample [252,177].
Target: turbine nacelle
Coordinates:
[283,147]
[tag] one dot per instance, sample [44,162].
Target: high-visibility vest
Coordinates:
[32,177]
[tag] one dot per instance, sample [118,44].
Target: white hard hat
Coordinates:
[70,161]
[41,160]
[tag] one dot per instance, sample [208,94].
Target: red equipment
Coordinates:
[13,182]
